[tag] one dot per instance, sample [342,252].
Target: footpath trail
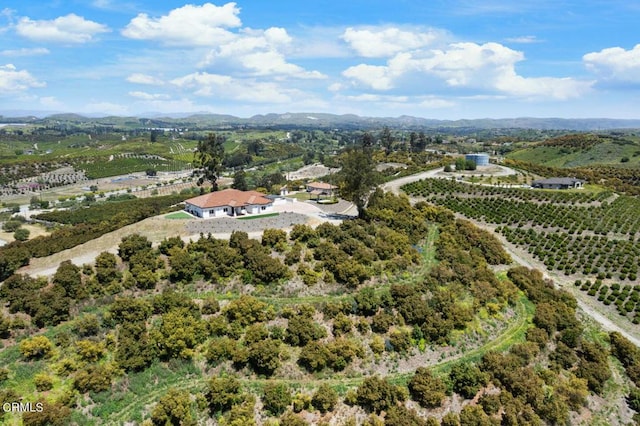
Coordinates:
[607,319]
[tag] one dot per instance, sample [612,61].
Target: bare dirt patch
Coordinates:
[155,229]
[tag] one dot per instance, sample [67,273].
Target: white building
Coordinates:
[228,202]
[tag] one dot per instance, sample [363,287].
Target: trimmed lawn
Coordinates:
[178,215]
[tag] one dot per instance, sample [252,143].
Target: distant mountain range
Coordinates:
[323,120]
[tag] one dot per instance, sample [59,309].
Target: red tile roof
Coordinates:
[229,197]
[321,185]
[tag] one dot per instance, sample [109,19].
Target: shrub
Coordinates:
[36,347]
[376,394]
[21,234]
[276,397]
[43,382]
[426,389]
[174,408]
[94,379]
[325,398]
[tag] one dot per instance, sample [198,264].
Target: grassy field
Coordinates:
[606,153]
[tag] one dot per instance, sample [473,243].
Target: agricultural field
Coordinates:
[395,318]
[588,236]
[582,150]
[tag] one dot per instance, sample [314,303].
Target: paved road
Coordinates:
[394,185]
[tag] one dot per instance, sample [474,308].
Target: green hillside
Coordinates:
[580,150]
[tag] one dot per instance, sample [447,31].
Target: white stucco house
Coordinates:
[228,202]
[321,189]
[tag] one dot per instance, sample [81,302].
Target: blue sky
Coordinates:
[444,59]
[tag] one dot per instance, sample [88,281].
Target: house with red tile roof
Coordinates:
[228,202]
[321,188]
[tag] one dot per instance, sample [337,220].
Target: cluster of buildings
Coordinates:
[233,202]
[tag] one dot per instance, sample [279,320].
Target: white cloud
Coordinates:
[205,84]
[13,81]
[432,102]
[528,39]
[65,29]
[371,97]
[385,42]
[489,66]
[246,90]
[615,63]
[274,63]
[189,25]
[51,102]
[148,96]
[25,52]
[139,78]
[261,53]
[375,76]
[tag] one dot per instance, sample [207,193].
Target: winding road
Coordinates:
[609,321]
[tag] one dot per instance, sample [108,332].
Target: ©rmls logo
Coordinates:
[19,407]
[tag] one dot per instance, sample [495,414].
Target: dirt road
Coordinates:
[608,319]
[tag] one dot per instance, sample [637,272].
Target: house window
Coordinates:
[263,208]
[226,210]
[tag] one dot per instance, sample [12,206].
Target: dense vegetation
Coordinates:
[582,150]
[86,223]
[307,325]
[578,234]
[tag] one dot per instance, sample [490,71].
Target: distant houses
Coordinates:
[558,183]
[229,202]
[321,189]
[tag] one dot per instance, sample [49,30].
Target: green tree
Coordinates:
[168,243]
[5,326]
[399,415]
[426,389]
[386,139]
[129,310]
[474,415]
[208,160]
[276,397]
[272,237]
[89,351]
[223,393]
[36,347]
[174,408]
[240,181]
[94,378]
[358,176]
[264,356]
[467,379]
[291,419]
[21,234]
[248,310]
[52,414]
[179,333]
[86,325]
[11,225]
[106,268]
[132,244]
[324,399]
[69,277]
[183,267]
[376,394]
[134,349]
[302,329]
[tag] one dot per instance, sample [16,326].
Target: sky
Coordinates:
[441,59]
